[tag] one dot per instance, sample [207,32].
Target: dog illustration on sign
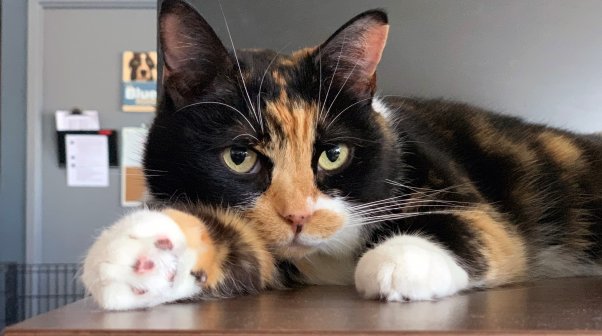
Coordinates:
[139,75]
[142,67]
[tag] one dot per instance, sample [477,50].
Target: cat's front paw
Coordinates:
[409,268]
[141,261]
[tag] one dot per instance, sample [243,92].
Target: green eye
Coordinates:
[334,158]
[239,159]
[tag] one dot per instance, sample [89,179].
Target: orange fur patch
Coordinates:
[251,238]
[325,224]
[503,248]
[493,141]
[209,256]
[292,178]
[279,78]
[561,149]
[293,188]
[301,53]
[389,136]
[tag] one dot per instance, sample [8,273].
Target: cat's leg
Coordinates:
[152,257]
[441,255]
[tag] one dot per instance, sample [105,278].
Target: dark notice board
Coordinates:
[111,134]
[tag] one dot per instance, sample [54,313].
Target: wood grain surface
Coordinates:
[560,306]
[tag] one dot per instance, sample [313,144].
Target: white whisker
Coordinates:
[246,134]
[395,210]
[333,74]
[386,200]
[218,103]
[237,62]
[405,200]
[348,107]
[155,170]
[341,89]
[385,218]
[320,84]
[261,84]
[351,138]
[433,192]
[410,205]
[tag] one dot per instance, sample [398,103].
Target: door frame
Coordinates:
[35,69]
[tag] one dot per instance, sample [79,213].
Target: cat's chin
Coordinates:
[297,248]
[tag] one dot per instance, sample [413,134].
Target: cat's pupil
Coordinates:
[238,155]
[333,153]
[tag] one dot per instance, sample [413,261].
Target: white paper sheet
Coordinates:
[87,160]
[133,189]
[86,121]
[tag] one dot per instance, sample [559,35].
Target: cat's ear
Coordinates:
[192,52]
[353,52]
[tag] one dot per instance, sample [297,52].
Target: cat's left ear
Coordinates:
[353,52]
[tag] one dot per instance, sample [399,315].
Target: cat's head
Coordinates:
[293,140]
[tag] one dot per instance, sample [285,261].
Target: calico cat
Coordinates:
[270,171]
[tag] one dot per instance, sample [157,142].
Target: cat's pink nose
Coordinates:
[298,220]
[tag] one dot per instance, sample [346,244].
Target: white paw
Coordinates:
[140,261]
[409,268]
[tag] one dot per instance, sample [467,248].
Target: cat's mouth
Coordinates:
[307,237]
[297,240]
[305,241]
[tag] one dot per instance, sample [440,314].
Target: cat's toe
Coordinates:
[139,262]
[409,268]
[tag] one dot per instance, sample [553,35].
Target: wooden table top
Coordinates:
[559,306]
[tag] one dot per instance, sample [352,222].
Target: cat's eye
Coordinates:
[240,159]
[334,157]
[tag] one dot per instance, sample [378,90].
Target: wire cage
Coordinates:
[27,290]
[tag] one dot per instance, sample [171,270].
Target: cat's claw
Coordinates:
[409,268]
[141,261]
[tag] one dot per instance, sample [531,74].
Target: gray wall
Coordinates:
[82,67]
[541,59]
[12,132]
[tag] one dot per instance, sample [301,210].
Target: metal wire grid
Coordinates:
[27,290]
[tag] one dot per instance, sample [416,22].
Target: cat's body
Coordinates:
[271,171]
[543,183]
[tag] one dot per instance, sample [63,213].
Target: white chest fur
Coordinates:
[334,261]
[323,269]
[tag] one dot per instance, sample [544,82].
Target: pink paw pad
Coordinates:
[143,265]
[164,244]
[139,291]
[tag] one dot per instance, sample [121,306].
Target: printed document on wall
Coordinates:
[87,160]
[133,189]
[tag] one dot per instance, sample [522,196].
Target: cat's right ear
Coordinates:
[193,54]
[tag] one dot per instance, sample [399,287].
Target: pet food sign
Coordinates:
[139,89]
